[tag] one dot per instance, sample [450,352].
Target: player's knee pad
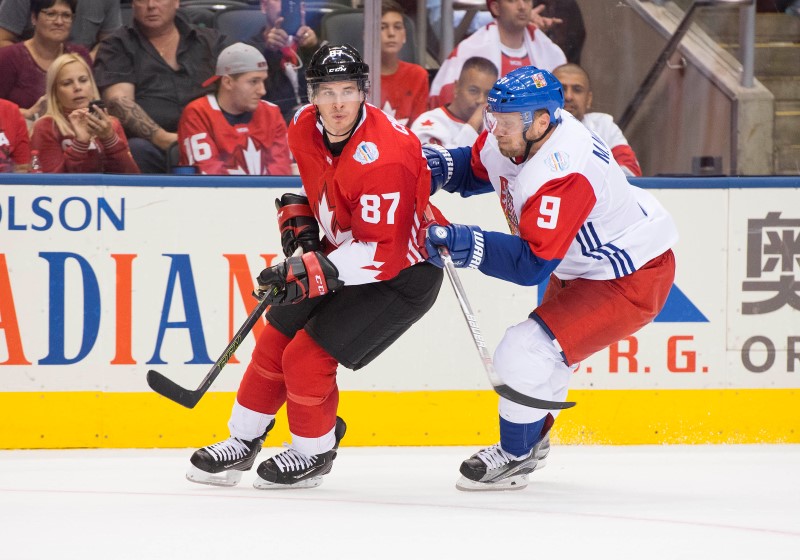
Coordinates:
[267,356]
[309,371]
[526,357]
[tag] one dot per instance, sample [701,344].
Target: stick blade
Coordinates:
[514,396]
[171,390]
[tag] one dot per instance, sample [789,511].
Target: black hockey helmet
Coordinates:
[337,63]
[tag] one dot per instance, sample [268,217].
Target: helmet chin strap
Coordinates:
[529,143]
[349,133]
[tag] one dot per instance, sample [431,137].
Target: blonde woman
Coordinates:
[72,137]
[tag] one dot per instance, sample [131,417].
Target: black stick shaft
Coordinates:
[188,398]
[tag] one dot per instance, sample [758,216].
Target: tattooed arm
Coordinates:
[120,99]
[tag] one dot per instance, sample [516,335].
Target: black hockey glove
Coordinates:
[440,163]
[298,226]
[309,275]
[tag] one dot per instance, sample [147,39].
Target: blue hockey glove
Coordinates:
[440,163]
[465,244]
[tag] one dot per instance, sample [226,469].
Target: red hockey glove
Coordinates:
[309,275]
[297,224]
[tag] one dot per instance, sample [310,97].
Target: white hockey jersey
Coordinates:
[604,126]
[571,201]
[440,126]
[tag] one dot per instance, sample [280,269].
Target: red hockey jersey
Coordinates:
[369,200]
[14,142]
[216,147]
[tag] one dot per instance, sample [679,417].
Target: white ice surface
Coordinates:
[590,502]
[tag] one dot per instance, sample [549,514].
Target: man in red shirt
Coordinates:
[233,131]
[15,151]
[366,185]
[404,85]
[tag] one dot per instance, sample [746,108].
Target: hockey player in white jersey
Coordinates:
[573,216]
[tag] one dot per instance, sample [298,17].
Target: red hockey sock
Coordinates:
[312,394]
[262,388]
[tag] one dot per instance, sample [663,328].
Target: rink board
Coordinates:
[101,282]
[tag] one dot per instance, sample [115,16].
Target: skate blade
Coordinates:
[225,478]
[262,484]
[518,482]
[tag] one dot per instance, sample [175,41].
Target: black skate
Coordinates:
[222,464]
[292,469]
[494,469]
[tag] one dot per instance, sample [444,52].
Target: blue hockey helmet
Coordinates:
[526,90]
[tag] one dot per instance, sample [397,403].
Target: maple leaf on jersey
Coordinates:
[248,159]
[328,222]
[392,112]
[427,122]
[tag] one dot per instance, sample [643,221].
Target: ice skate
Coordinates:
[222,464]
[292,469]
[494,469]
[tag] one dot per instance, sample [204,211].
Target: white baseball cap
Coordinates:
[238,59]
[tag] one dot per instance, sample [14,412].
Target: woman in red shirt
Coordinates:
[71,137]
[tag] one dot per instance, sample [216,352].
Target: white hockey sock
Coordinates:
[248,424]
[314,446]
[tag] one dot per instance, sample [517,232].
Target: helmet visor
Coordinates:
[335,92]
[502,124]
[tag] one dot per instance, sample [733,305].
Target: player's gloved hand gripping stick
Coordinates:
[305,273]
[477,337]
[299,277]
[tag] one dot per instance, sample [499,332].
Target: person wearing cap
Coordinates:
[345,299]
[148,71]
[233,131]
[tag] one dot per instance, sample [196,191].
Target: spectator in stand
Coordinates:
[23,66]
[234,131]
[286,55]
[510,41]
[74,137]
[563,22]
[578,101]
[149,71]
[94,20]
[15,150]
[459,122]
[404,86]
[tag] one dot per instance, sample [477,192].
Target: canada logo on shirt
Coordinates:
[248,160]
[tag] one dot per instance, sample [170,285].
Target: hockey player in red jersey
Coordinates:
[573,217]
[234,131]
[345,299]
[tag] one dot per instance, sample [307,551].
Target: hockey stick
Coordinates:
[188,398]
[477,337]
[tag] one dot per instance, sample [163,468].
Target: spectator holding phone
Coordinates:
[289,45]
[76,134]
